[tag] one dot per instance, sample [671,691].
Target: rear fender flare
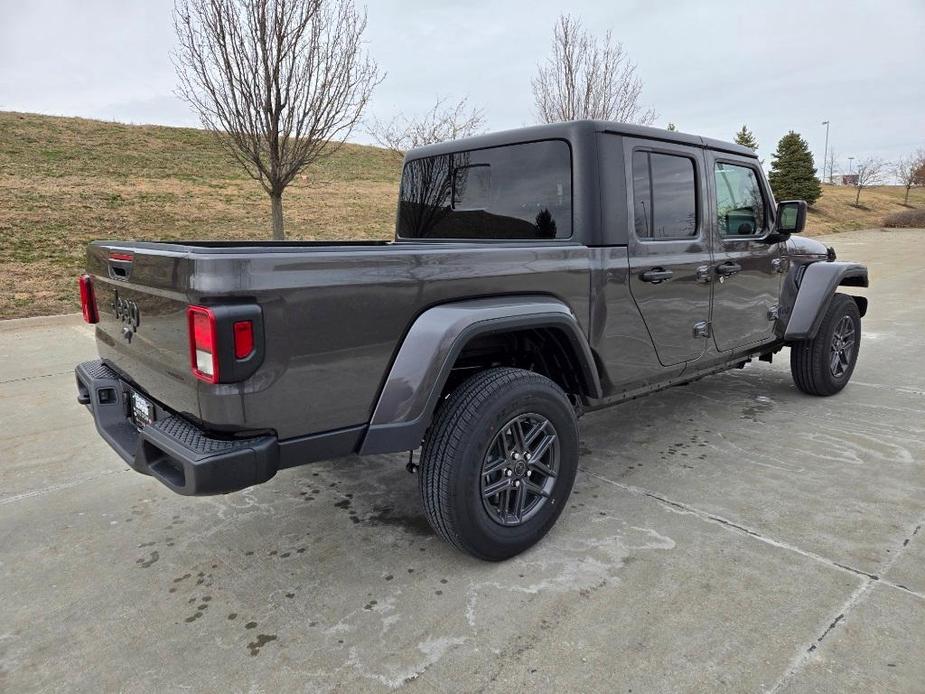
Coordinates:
[816,289]
[427,354]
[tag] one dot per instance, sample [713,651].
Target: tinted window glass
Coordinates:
[664,196]
[511,192]
[642,195]
[739,204]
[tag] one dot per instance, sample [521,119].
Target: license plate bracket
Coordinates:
[143,413]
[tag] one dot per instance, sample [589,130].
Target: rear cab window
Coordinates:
[520,191]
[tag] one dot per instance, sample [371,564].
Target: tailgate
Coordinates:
[141,295]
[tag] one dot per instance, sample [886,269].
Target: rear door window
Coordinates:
[664,196]
[521,191]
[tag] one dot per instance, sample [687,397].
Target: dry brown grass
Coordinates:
[66,181]
[835,210]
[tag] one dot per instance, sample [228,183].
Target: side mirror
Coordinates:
[791,217]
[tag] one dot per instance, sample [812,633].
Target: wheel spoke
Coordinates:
[534,432]
[535,489]
[506,448]
[520,496]
[494,465]
[543,446]
[834,362]
[497,487]
[542,468]
[518,430]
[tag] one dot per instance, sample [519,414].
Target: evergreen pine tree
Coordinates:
[746,138]
[793,174]
[672,127]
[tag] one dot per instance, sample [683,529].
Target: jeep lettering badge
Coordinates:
[126,311]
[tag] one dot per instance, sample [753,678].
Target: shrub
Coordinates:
[909,219]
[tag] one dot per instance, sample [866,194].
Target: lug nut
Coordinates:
[516,483]
[528,456]
[517,456]
[509,472]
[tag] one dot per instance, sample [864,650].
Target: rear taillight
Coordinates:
[225,342]
[88,299]
[203,343]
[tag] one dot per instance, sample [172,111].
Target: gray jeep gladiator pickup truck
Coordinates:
[535,274]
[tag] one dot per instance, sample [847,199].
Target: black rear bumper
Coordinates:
[171,449]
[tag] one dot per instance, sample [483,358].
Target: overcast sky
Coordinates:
[709,65]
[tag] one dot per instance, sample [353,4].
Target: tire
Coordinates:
[816,368]
[476,430]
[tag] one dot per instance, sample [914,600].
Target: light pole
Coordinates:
[825,152]
[850,164]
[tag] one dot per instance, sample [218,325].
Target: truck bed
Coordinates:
[333,316]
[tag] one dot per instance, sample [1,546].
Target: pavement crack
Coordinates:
[826,632]
[33,378]
[737,527]
[802,658]
[53,488]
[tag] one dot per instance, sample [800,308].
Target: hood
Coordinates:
[800,245]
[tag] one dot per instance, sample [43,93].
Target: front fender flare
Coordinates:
[816,289]
[427,354]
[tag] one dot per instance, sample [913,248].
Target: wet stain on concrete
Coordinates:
[262,640]
[754,411]
[416,525]
[152,559]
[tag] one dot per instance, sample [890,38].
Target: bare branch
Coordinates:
[588,77]
[441,123]
[280,83]
[831,163]
[870,171]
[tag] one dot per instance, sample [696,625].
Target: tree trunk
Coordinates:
[857,199]
[276,200]
[906,203]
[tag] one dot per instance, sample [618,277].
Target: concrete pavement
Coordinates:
[730,535]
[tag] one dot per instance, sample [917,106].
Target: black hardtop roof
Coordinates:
[571,130]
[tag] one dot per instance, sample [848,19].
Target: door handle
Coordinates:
[728,269]
[656,275]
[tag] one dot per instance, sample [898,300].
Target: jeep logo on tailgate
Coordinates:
[128,313]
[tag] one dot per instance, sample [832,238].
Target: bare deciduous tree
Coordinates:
[869,172]
[588,77]
[832,163]
[910,170]
[279,82]
[441,123]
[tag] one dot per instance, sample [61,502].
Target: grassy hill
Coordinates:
[66,181]
[835,210]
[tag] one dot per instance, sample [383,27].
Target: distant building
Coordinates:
[845,179]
